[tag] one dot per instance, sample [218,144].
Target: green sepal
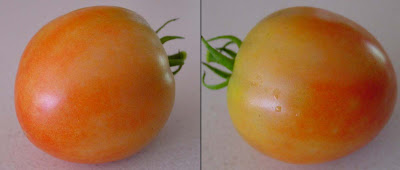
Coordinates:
[228,51]
[168,38]
[215,86]
[166,23]
[218,57]
[234,39]
[217,71]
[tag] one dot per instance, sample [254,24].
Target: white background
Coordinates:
[178,144]
[223,148]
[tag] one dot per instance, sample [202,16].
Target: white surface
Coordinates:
[178,144]
[223,148]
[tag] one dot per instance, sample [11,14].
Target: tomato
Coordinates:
[310,86]
[94,85]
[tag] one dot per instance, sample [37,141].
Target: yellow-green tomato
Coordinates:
[310,86]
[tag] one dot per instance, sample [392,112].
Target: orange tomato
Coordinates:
[94,85]
[310,86]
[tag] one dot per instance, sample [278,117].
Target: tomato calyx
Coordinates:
[216,55]
[177,59]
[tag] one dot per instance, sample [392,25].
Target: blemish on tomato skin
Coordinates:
[253,83]
[276,93]
[278,109]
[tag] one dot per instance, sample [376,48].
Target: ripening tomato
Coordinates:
[94,85]
[310,86]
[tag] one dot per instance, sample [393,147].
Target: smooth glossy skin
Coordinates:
[94,85]
[310,86]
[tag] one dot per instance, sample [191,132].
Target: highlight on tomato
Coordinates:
[306,86]
[95,85]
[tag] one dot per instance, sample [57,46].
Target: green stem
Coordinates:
[177,59]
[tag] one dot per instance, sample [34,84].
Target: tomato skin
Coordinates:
[94,85]
[309,86]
